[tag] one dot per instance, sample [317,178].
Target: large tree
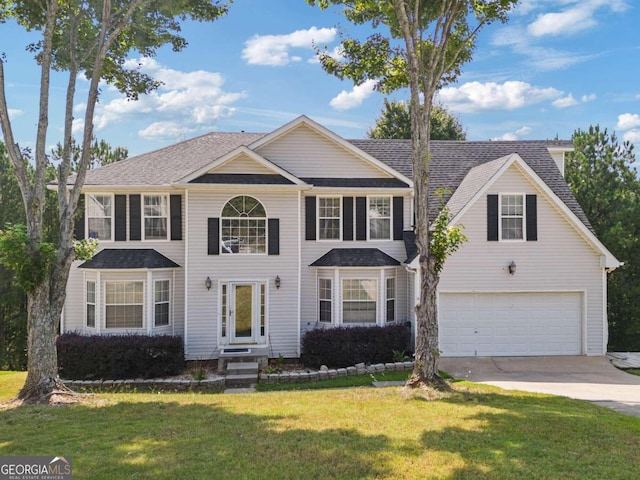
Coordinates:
[92,38]
[395,122]
[602,176]
[425,46]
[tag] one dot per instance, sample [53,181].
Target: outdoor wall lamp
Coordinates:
[277,282]
[512,267]
[207,283]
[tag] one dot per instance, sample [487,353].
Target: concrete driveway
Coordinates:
[585,378]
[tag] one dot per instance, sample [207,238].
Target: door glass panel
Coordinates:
[244,313]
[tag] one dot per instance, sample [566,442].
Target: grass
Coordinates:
[357,433]
[340,382]
[633,371]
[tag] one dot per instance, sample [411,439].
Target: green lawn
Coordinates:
[336,433]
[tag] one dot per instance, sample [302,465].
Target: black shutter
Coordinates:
[135,221]
[398,217]
[347,218]
[78,228]
[274,236]
[120,220]
[492,218]
[361,218]
[532,218]
[213,236]
[310,218]
[175,206]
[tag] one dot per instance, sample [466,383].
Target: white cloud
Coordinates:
[191,99]
[346,100]
[578,16]
[273,50]
[632,136]
[588,98]
[476,96]
[627,121]
[523,131]
[565,102]
[165,130]
[14,112]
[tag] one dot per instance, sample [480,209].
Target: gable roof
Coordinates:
[127,259]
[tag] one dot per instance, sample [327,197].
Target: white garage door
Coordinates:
[510,324]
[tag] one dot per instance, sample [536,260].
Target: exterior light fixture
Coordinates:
[207,283]
[512,267]
[277,281]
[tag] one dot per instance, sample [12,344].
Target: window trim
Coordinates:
[265,219]
[388,299]
[523,196]
[342,300]
[329,300]
[87,303]
[369,218]
[112,216]
[105,304]
[167,302]
[318,218]
[143,217]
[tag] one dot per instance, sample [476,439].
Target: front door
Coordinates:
[244,310]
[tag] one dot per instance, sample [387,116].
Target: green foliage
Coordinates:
[601,175]
[86,248]
[31,264]
[445,238]
[102,153]
[395,122]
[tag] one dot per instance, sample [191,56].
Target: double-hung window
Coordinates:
[512,217]
[359,300]
[325,303]
[379,218]
[91,304]
[124,304]
[156,215]
[390,294]
[161,303]
[99,216]
[329,218]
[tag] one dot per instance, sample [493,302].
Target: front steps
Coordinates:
[241,374]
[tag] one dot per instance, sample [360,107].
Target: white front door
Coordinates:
[246,312]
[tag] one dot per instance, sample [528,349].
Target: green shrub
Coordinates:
[346,346]
[83,357]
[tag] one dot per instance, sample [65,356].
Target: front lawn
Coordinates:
[336,433]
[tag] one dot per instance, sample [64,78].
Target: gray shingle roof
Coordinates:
[355,257]
[355,182]
[172,163]
[242,179]
[127,258]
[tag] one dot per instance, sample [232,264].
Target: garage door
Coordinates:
[510,324]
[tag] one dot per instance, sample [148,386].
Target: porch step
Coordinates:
[241,374]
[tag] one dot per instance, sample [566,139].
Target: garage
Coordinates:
[510,324]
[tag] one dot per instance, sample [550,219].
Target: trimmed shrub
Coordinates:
[346,346]
[113,357]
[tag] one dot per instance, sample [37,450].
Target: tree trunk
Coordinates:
[425,371]
[42,364]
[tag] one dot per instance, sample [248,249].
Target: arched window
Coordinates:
[244,226]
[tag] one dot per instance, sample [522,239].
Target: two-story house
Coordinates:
[247,240]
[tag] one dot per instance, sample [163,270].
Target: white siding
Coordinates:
[202,340]
[305,153]
[242,164]
[561,259]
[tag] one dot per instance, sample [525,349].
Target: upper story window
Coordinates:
[329,218]
[511,217]
[100,216]
[379,218]
[243,226]
[156,215]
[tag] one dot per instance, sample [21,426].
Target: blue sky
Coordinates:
[556,66]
